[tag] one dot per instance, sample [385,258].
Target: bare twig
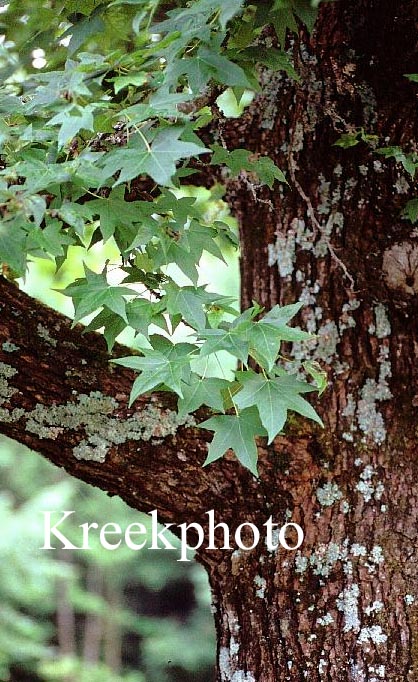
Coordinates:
[318,228]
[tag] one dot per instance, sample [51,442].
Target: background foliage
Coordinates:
[125,616]
[161,621]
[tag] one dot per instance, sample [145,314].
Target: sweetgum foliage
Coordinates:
[95,146]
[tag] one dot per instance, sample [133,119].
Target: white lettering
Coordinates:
[212,528]
[282,536]
[269,540]
[256,534]
[66,544]
[104,531]
[159,535]
[183,539]
[128,532]
[86,529]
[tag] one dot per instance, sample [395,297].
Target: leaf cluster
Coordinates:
[251,404]
[113,110]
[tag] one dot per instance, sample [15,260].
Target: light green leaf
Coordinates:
[318,375]
[136,79]
[72,119]
[273,398]
[264,340]
[235,432]
[202,391]
[157,158]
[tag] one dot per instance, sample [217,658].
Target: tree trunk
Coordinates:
[344,607]
[94,622]
[66,625]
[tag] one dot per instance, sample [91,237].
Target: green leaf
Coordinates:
[52,239]
[408,161]
[273,398]
[282,314]
[264,341]
[307,12]
[277,317]
[136,79]
[204,66]
[222,69]
[238,433]
[139,313]
[71,120]
[233,341]
[113,325]
[283,20]
[265,395]
[240,159]
[128,221]
[411,210]
[273,58]
[93,291]
[170,251]
[202,391]
[190,20]
[13,244]
[268,172]
[188,301]
[347,140]
[83,30]
[199,238]
[167,365]
[318,375]
[157,158]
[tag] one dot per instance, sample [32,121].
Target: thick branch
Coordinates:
[61,397]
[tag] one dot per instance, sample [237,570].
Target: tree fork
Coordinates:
[344,607]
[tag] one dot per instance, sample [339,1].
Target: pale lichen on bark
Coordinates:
[92,414]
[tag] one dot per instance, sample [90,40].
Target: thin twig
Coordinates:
[315,222]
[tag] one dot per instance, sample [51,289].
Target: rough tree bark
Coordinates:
[345,606]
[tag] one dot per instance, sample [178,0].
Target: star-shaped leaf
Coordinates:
[273,398]
[202,391]
[241,159]
[157,156]
[264,344]
[166,365]
[93,292]
[231,340]
[236,432]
